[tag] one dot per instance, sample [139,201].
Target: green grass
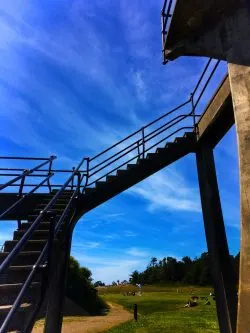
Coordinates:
[161,310]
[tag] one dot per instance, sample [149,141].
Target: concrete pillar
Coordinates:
[57,288]
[239,76]
[222,269]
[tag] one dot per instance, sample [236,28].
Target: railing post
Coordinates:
[72,182]
[193,111]
[87,174]
[138,149]
[49,171]
[20,193]
[78,174]
[143,142]
[51,216]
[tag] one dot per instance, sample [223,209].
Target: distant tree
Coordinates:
[187,260]
[99,284]
[134,278]
[124,282]
[114,283]
[153,261]
[169,270]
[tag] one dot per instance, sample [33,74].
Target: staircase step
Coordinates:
[191,135]
[150,156]
[31,245]
[131,166]
[142,161]
[179,139]
[111,178]
[169,145]
[99,184]
[161,150]
[121,172]
[20,318]
[38,234]
[9,293]
[42,226]
[64,194]
[56,211]
[59,201]
[33,217]
[19,274]
[23,258]
[89,190]
[56,206]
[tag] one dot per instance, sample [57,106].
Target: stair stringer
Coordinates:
[131,177]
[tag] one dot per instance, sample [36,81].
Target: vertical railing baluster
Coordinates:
[78,175]
[52,221]
[72,182]
[143,142]
[193,111]
[20,193]
[138,150]
[49,171]
[86,174]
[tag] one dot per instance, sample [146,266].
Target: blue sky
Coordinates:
[75,77]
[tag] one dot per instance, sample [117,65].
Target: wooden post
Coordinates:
[135,312]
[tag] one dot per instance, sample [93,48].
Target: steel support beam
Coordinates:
[224,277]
[57,287]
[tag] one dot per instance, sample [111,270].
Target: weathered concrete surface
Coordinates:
[208,31]
[218,116]
[224,279]
[226,37]
[240,85]
[192,16]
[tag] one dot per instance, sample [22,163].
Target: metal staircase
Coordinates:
[46,210]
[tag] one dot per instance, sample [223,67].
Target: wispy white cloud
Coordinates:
[168,190]
[128,233]
[111,236]
[139,83]
[86,245]
[137,252]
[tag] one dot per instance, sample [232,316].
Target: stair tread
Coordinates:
[8,307]
[22,267]
[22,253]
[17,285]
[30,240]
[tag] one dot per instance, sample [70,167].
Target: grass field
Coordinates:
[161,309]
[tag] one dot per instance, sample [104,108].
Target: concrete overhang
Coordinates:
[191,18]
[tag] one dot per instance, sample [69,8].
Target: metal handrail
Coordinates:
[22,242]
[15,204]
[26,172]
[25,158]
[40,260]
[133,158]
[135,142]
[139,143]
[166,14]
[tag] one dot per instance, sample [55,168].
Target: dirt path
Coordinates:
[117,315]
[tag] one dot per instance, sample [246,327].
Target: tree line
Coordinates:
[185,271]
